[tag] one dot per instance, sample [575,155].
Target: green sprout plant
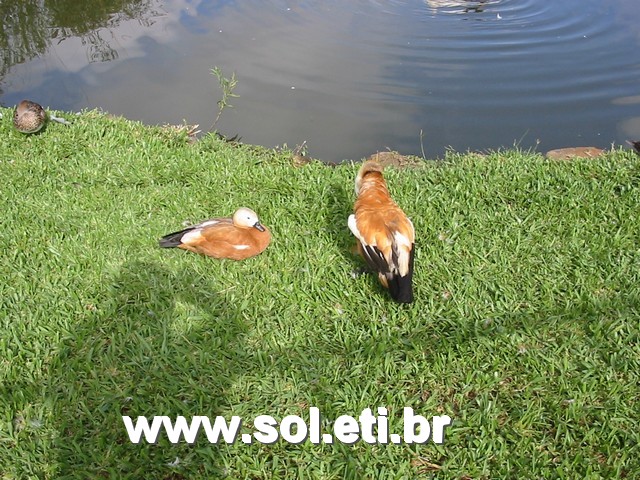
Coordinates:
[227,85]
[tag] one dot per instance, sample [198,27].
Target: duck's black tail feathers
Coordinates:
[173,239]
[401,288]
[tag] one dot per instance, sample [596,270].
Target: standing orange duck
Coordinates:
[237,238]
[385,234]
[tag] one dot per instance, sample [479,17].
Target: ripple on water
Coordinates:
[510,48]
[455,65]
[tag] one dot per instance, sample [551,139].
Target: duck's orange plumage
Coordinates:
[385,234]
[239,237]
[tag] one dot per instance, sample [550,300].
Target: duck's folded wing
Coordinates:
[374,241]
[191,235]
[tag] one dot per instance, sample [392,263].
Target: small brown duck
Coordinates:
[30,117]
[237,238]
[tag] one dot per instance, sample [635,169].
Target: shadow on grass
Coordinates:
[162,344]
[339,207]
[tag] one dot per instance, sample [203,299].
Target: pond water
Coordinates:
[347,78]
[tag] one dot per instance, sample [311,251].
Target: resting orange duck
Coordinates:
[239,237]
[385,234]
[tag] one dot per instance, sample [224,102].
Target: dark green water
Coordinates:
[347,78]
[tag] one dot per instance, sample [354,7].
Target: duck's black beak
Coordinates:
[258,226]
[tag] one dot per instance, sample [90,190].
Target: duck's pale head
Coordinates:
[246,218]
[367,167]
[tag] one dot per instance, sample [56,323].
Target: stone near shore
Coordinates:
[396,159]
[574,152]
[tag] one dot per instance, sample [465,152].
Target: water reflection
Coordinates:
[349,78]
[31,26]
[458,6]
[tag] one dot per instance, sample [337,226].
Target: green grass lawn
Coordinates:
[525,329]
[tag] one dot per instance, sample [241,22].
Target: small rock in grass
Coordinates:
[574,152]
[396,159]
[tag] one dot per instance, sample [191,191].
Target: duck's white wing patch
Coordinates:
[191,236]
[208,223]
[402,248]
[196,234]
[413,231]
[351,222]
[402,240]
